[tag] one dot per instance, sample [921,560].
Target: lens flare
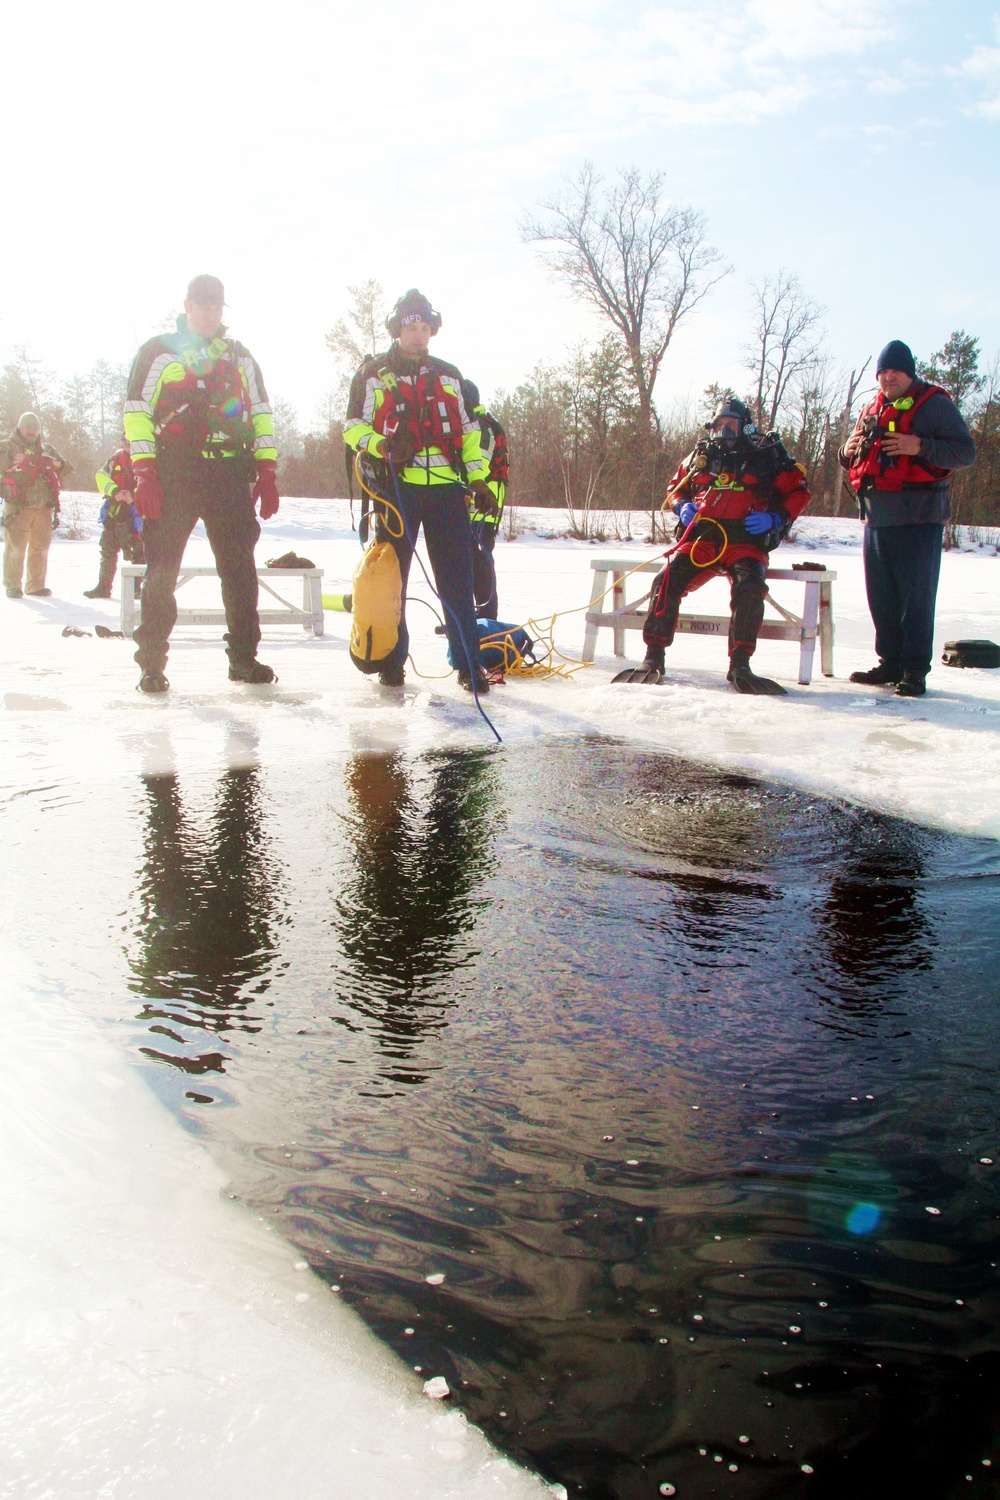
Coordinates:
[863,1218]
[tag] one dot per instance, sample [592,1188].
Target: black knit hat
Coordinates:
[412,307]
[897,356]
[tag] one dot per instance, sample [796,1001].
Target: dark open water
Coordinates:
[682,1081]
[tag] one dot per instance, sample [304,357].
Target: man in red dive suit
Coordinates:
[737,495]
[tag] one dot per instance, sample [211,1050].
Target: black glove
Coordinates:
[486,501]
[403,448]
[55,519]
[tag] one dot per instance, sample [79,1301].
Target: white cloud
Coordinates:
[982,67]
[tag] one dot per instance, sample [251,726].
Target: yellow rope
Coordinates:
[429,676]
[554,662]
[380,500]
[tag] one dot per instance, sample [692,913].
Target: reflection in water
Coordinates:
[421,840]
[204,942]
[872,918]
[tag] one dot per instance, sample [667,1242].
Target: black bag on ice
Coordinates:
[971,654]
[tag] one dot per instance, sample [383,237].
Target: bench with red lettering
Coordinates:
[616,613]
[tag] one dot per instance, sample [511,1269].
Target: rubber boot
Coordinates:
[911,685]
[884,675]
[254,672]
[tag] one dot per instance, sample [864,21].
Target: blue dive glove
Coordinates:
[759,521]
[687,512]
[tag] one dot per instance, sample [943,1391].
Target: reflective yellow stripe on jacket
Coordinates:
[430,465]
[158,366]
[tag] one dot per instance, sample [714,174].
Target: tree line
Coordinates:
[586,434]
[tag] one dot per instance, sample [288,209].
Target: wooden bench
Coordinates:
[310,616]
[816,619]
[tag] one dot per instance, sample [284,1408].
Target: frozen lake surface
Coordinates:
[661,1067]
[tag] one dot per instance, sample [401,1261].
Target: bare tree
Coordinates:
[361,334]
[597,397]
[78,401]
[108,387]
[785,347]
[330,408]
[642,263]
[838,482]
[286,429]
[34,375]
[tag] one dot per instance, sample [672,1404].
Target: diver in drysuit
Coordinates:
[736,495]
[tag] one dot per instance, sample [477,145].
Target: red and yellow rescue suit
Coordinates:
[726,485]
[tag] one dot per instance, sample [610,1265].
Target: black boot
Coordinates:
[102,591]
[911,685]
[745,681]
[482,682]
[392,676]
[152,682]
[884,675]
[253,671]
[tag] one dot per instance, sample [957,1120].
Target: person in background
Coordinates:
[30,481]
[201,434]
[485,520]
[900,457]
[406,411]
[121,524]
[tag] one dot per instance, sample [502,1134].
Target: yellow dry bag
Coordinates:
[376,607]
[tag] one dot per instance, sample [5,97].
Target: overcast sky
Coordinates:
[295,148]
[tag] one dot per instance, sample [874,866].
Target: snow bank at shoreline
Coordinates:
[159,1340]
[932,759]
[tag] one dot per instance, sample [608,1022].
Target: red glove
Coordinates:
[266,488]
[148,494]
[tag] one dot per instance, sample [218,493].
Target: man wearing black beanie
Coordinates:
[900,458]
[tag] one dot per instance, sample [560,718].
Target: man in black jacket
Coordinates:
[900,458]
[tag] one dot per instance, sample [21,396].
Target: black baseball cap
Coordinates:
[205,289]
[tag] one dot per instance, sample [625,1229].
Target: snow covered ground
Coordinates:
[157,1338]
[72,704]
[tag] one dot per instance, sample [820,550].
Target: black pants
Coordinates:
[484,570]
[902,566]
[218,493]
[748,585]
[117,536]
[441,510]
